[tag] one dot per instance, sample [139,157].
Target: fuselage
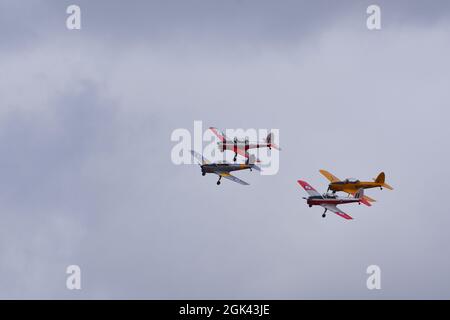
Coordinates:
[319,200]
[241,145]
[354,186]
[224,167]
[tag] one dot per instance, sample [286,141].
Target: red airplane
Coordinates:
[329,201]
[242,146]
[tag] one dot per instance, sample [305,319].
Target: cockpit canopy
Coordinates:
[329,195]
[351,180]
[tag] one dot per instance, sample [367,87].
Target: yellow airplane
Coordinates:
[351,186]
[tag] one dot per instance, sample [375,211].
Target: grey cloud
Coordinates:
[85,145]
[254,23]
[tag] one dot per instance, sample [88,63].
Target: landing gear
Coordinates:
[324,213]
[381,188]
[218,181]
[235,157]
[203,173]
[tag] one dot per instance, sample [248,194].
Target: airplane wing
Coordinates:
[219,134]
[336,210]
[202,160]
[329,176]
[310,190]
[232,178]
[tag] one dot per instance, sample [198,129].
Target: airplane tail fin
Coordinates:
[380,179]
[269,138]
[269,141]
[360,194]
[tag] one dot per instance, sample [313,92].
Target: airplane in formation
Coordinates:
[241,147]
[329,201]
[223,169]
[351,186]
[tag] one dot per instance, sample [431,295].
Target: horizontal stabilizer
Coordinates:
[366,201]
[387,186]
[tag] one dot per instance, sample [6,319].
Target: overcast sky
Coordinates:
[86,176]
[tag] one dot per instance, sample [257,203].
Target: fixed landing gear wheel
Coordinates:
[203,173]
[218,182]
[234,159]
[324,215]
